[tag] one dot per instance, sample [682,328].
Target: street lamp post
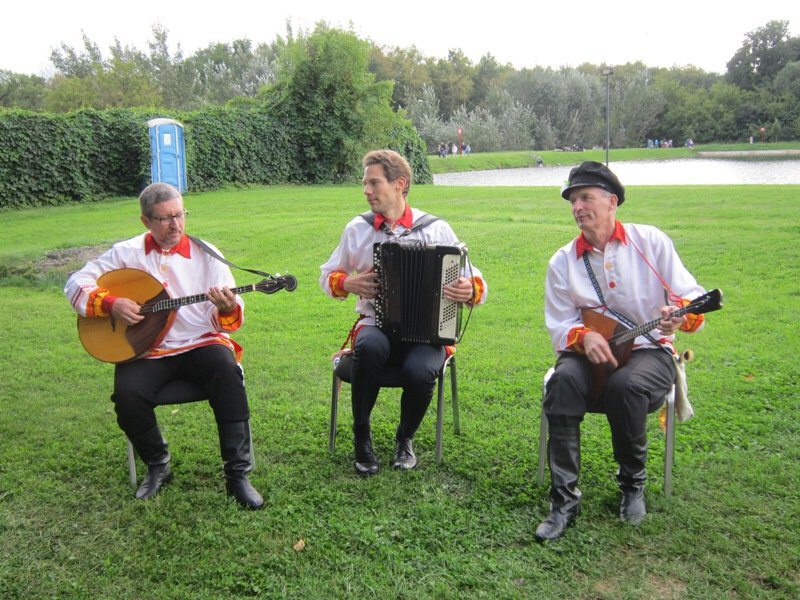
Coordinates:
[607,72]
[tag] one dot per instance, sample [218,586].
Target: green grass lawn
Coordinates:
[70,527]
[520,159]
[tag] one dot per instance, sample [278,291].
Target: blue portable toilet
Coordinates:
[167,152]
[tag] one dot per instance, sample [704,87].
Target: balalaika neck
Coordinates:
[172,303]
[632,334]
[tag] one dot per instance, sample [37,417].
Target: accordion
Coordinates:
[410,305]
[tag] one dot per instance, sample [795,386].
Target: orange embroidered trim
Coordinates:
[336,282]
[478,286]
[693,322]
[95,307]
[231,321]
[575,338]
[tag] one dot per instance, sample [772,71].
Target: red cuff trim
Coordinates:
[231,321]
[575,338]
[336,283]
[107,303]
[478,286]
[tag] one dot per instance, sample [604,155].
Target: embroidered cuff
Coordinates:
[575,338]
[693,322]
[231,321]
[98,306]
[107,303]
[478,287]
[336,283]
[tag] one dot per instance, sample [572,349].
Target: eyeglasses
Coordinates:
[164,220]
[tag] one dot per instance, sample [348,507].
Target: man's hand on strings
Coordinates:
[597,349]
[669,324]
[223,298]
[126,311]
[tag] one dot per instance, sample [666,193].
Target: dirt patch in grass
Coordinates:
[68,259]
[54,267]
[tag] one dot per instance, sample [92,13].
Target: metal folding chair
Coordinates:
[390,378]
[176,392]
[669,450]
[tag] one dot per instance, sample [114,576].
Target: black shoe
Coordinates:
[157,477]
[244,493]
[404,457]
[555,525]
[366,462]
[632,509]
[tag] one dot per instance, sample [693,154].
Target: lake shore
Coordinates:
[746,153]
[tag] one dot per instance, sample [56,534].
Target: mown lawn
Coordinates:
[70,528]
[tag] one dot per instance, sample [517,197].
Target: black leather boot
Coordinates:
[404,457]
[152,449]
[366,462]
[234,444]
[632,475]
[564,455]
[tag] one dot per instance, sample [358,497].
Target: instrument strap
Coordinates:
[207,249]
[421,223]
[622,318]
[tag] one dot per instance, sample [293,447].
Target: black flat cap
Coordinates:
[593,174]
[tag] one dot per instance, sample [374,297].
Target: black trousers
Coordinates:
[419,366]
[632,391]
[212,367]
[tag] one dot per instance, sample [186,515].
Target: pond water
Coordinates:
[695,171]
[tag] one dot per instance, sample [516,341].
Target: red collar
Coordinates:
[582,245]
[182,247]
[407,220]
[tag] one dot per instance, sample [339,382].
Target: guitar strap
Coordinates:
[207,249]
[622,318]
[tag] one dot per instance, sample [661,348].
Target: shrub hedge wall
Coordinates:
[91,154]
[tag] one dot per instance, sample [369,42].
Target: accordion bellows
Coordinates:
[410,305]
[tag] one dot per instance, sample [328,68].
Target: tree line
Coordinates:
[311,124]
[496,106]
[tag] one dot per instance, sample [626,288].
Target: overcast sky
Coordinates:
[703,33]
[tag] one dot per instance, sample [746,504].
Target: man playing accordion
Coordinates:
[350,270]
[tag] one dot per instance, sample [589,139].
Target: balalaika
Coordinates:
[410,305]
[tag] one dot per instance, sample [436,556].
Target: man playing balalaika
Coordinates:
[629,273]
[197,346]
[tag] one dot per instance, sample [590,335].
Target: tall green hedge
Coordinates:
[90,154]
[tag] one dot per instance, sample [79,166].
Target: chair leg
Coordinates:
[543,431]
[336,387]
[439,415]
[252,446]
[131,463]
[669,450]
[454,396]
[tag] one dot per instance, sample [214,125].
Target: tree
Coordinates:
[22,91]
[764,52]
[335,108]
[406,67]
[226,71]
[123,84]
[452,80]
[488,75]
[74,63]
[637,105]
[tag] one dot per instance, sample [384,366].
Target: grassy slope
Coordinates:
[69,527]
